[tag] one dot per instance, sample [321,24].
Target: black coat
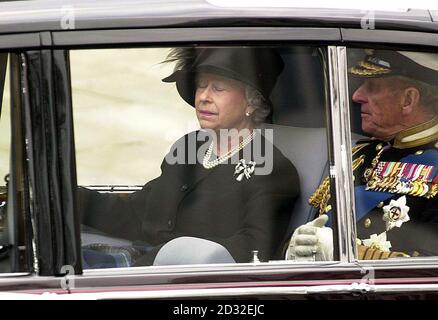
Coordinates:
[189,200]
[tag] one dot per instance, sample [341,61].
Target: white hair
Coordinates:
[261,107]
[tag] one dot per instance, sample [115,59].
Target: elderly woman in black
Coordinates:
[201,194]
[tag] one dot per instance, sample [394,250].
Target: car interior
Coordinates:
[299,128]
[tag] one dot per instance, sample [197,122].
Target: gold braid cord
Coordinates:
[370,253]
[321,196]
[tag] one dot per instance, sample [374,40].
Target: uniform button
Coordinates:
[380,205]
[367,223]
[184,187]
[379,147]
[169,224]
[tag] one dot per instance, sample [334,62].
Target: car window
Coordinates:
[394,98]
[161,182]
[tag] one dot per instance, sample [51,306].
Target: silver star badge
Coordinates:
[396,213]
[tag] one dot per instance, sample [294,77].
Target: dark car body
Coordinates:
[48,239]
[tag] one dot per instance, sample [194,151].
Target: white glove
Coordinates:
[312,242]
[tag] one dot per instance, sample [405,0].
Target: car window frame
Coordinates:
[363,42]
[178,37]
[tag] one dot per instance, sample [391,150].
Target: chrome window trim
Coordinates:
[389,36]
[20,40]
[281,266]
[13,275]
[341,171]
[209,268]
[401,263]
[178,35]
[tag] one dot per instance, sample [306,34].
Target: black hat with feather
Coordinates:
[258,67]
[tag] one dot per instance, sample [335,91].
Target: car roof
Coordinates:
[46,15]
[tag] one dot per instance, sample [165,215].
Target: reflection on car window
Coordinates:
[394,104]
[5,143]
[5,130]
[222,137]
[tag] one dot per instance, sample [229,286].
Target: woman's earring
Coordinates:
[247,114]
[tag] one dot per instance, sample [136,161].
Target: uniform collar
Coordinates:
[419,135]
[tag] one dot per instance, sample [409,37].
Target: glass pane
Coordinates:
[5,130]
[394,108]
[230,178]
[5,144]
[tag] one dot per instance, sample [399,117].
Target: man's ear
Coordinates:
[411,99]
[249,109]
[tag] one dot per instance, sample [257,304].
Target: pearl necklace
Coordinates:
[211,164]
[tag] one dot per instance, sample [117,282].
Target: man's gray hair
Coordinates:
[259,103]
[428,92]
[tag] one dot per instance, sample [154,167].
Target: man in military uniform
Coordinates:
[395,171]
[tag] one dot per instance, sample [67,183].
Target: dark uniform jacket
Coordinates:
[189,200]
[395,194]
[419,234]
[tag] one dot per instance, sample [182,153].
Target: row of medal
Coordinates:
[405,178]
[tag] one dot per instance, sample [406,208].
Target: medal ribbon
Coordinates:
[366,200]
